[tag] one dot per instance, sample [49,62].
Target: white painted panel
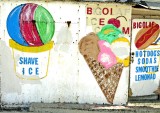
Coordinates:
[144,79]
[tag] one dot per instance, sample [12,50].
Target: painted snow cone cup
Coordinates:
[31,28]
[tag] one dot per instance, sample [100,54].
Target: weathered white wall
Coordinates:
[69,78]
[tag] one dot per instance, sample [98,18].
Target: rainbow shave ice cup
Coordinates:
[31,28]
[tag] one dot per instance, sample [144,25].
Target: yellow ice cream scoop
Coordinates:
[121,48]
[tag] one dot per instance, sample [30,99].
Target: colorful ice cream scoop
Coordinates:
[88,45]
[30,25]
[121,48]
[109,33]
[106,57]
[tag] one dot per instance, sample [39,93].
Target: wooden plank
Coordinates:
[141,11]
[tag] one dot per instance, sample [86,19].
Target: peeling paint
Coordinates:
[64,39]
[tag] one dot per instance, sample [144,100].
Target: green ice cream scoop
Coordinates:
[109,33]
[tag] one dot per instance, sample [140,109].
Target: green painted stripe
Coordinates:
[44,23]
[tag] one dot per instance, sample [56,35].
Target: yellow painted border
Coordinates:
[31,49]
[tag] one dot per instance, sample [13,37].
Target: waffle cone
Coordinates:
[107,79]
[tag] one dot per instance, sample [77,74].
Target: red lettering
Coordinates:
[134,25]
[125,31]
[111,11]
[151,24]
[101,21]
[89,10]
[99,11]
[105,11]
[140,25]
[144,24]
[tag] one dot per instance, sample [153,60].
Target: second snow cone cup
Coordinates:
[31,28]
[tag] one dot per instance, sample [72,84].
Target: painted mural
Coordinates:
[145,78]
[106,48]
[58,59]
[31,28]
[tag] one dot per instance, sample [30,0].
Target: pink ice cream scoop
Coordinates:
[106,57]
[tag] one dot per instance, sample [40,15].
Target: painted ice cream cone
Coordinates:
[106,71]
[107,79]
